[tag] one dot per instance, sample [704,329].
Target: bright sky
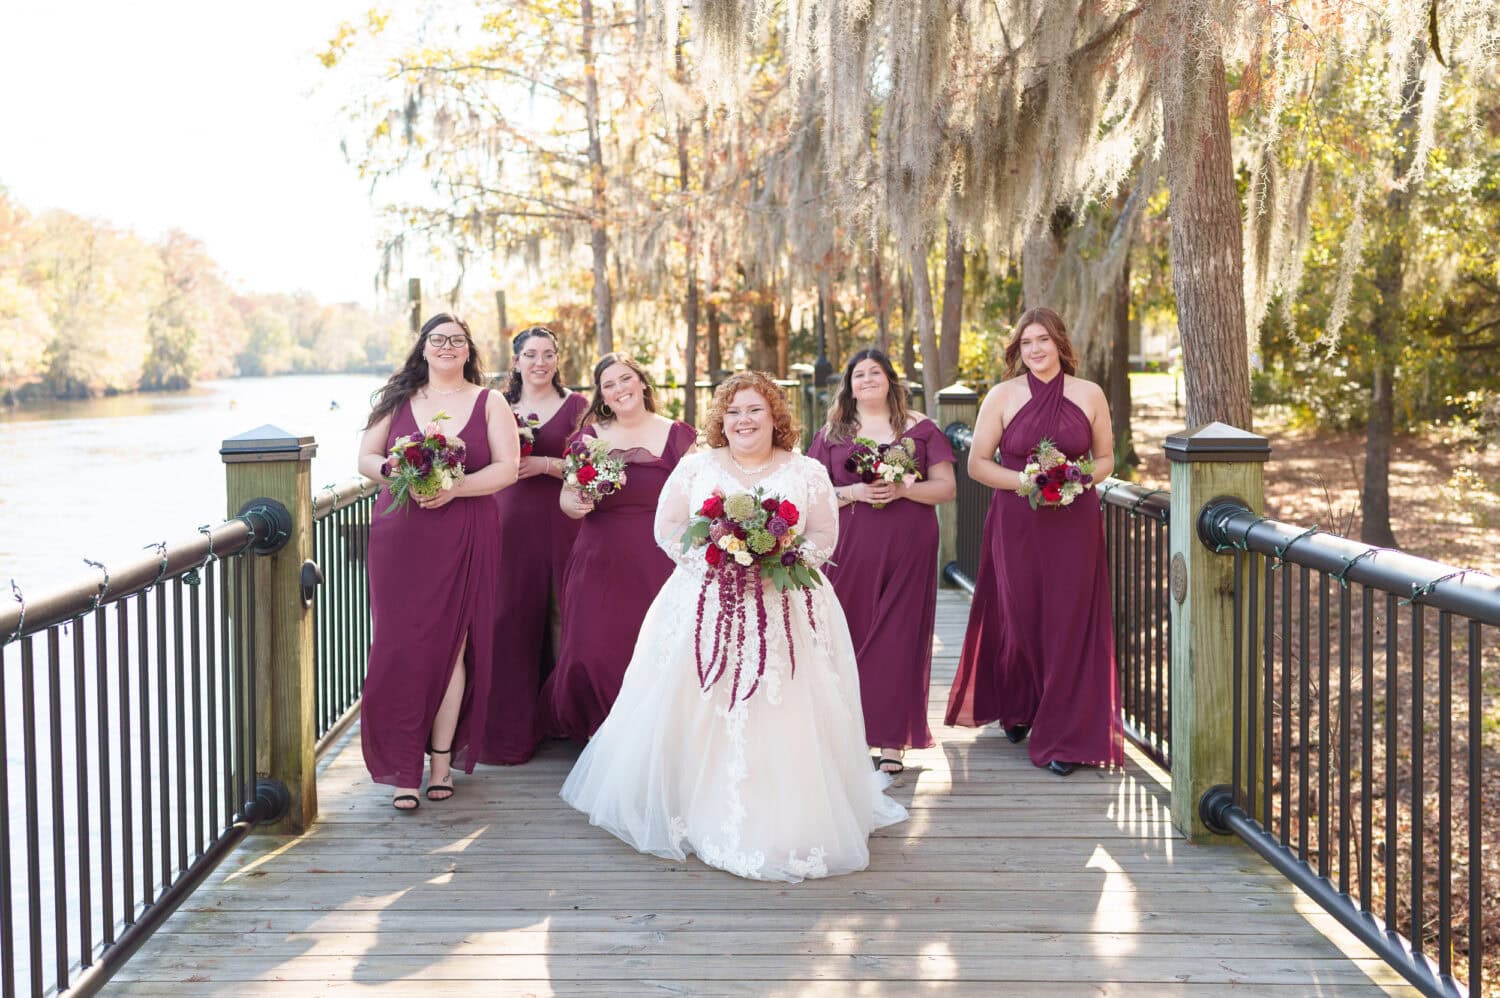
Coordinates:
[211,117]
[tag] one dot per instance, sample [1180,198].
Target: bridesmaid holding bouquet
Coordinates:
[616,568]
[433,563]
[1039,654]
[535,541]
[883,567]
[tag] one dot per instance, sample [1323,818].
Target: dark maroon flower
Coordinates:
[769,505]
[851,466]
[789,558]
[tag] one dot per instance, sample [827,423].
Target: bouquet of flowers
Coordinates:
[526,427]
[890,463]
[747,537]
[423,465]
[590,468]
[1050,479]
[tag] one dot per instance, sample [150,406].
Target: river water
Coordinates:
[104,478]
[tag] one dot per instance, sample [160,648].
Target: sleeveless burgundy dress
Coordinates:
[1039,648]
[884,574]
[432,582]
[613,575]
[536,538]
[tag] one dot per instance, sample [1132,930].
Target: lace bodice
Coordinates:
[801,480]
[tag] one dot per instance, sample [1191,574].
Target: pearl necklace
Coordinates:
[428,391]
[751,471]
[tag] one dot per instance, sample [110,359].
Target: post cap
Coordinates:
[1217,442]
[267,443]
[957,392]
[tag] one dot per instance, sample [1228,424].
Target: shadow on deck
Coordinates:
[1006,880]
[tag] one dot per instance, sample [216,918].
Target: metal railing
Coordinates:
[1339,712]
[341,617]
[129,702]
[1136,542]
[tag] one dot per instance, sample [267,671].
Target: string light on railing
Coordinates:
[1279,552]
[103,586]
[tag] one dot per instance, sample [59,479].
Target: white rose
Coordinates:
[723,542]
[744,558]
[447,481]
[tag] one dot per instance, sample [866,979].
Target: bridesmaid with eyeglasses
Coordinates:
[433,566]
[535,541]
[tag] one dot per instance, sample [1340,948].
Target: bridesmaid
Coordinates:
[536,538]
[433,565]
[616,568]
[883,569]
[1039,653]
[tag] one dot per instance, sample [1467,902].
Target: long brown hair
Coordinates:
[1053,323]
[843,415]
[412,374]
[517,344]
[598,411]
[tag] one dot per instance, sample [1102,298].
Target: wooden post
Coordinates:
[414,305]
[269,462]
[958,403]
[1210,462]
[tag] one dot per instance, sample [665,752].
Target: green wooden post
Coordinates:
[958,403]
[272,463]
[1210,462]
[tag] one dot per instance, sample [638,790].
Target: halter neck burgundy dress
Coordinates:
[432,582]
[1039,649]
[536,539]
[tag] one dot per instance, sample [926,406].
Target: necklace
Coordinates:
[750,471]
[428,392]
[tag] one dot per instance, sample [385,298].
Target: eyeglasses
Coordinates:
[442,340]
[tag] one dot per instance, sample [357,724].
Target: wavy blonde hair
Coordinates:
[785,434]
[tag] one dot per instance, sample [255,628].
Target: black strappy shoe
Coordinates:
[440,787]
[397,801]
[886,760]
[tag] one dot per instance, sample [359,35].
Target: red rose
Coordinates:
[413,454]
[1058,473]
[587,474]
[713,508]
[526,448]
[714,554]
[1051,492]
[789,513]
[438,440]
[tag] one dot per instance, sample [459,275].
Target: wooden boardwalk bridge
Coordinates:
[1006,880]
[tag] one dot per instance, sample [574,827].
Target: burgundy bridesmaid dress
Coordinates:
[432,583]
[535,540]
[1039,649]
[884,572]
[613,575]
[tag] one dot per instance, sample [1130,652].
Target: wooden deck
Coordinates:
[1006,880]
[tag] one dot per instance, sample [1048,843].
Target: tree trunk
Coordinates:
[598,237]
[922,295]
[784,337]
[1387,323]
[690,305]
[715,347]
[908,325]
[953,302]
[763,330]
[1207,257]
[882,298]
[1118,387]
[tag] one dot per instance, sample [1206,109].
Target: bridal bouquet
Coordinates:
[590,468]
[526,427]
[889,463]
[1050,479]
[423,464]
[747,537]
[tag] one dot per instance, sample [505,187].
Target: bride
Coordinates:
[768,779]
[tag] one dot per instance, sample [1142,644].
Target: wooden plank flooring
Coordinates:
[1006,880]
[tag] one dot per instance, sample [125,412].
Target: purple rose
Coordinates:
[605,488]
[789,558]
[578,448]
[777,527]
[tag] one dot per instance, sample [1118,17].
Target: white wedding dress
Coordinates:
[780,787]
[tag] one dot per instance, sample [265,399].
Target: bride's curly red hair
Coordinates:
[785,434]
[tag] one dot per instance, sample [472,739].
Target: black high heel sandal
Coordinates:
[439,787]
[399,799]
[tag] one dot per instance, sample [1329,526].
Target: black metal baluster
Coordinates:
[320,630]
[1476,813]
[210,618]
[195,626]
[81,799]
[163,740]
[1325,804]
[1392,699]
[31,812]
[252,691]
[127,771]
[179,690]
[1238,697]
[1367,752]
[1137,575]
[1445,792]
[1163,667]
[60,949]
[1418,774]
[7,916]
[1304,710]
[143,694]
[367,509]
[228,649]
[1268,731]
[1252,689]
[1286,707]
[1345,720]
[243,629]
[106,804]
